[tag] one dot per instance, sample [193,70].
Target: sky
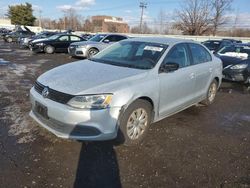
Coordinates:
[127,9]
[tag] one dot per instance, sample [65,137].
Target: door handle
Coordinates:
[192,75]
[210,69]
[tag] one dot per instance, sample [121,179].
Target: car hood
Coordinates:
[85,43]
[227,60]
[88,77]
[39,40]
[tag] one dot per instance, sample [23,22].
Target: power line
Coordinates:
[143,5]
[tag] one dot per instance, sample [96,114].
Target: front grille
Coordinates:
[54,95]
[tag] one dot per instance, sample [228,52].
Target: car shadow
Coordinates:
[97,166]
[229,87]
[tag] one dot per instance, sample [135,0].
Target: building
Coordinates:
[109,24]
[6,23]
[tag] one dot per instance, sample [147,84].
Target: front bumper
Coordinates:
[77,52]
[67,122]
[240,75]
[36,48]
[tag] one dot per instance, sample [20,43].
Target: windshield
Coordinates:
[235,50]
[133,54]
[97,38]
[53,37]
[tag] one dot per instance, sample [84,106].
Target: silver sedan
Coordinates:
[125,88]
[89,48]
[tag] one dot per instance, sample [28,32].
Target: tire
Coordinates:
[49,49]
[211,93]
[92,52]
[9,40]
[132,132]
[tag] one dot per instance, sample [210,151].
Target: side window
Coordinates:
[117,38]
[110,38]
[199,54]
[178,54]
[114,38]
[64,38]
[75,38]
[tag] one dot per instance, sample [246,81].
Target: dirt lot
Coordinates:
[199,147]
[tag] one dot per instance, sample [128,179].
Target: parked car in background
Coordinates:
[94,45]
[55,43]
[87,36]
[25,41]
[13,36]
[3,32]
[236,62]
[123,89]
[216,45]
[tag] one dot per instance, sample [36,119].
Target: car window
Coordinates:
[237,51]
[199,54]
[97,38]
[114,38]
[125,53]
[64,38]
[75,38]
[212,45]
[178,54]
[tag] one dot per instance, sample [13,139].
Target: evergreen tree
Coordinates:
[21,14]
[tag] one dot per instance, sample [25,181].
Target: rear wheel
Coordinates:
[9,39]
[134,122]
[92,52]
[211,93]
[49,49]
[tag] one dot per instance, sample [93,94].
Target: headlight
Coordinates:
[40,44]
[79,46]
[91,101]
[239,66]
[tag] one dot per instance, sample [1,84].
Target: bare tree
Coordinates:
[162,19]
[194,18]
[220,7]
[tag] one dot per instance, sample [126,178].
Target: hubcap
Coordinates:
[212,92]
[49,49]
[137,123]
[92,53]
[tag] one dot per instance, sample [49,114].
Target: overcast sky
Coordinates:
[127,9]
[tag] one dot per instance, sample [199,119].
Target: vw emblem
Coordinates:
[45,92]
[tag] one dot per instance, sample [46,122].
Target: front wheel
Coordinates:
[49,49]
[134,122]
[92,52]
[211,93]
[9,40]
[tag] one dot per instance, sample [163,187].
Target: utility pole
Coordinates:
[40,18]
[143,5]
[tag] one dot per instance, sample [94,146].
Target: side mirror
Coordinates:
[169,67]
[106,41]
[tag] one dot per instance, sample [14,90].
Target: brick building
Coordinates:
[109,24]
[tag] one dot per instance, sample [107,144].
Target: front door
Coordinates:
[176,88]
[62,43]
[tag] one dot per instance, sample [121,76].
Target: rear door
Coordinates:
[203,68]
[176,88]
[74,38]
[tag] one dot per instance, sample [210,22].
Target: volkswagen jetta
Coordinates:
[123,89]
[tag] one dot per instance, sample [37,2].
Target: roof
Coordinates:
[161,40]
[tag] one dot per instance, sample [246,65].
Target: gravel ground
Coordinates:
[199,147]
